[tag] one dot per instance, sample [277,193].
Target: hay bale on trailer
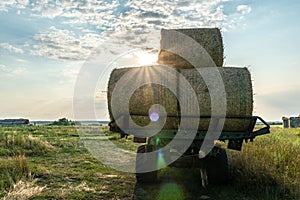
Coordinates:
[239,96]
[238,88]
[144,97]
[209,38]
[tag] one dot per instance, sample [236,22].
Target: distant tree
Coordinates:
[65,122]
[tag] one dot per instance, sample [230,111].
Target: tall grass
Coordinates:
[16,143]
[13,169]
[272,161]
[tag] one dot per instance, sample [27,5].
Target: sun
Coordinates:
[146,58]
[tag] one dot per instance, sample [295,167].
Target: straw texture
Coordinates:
[209,38]
[238,88]
[239,97]
[144,97]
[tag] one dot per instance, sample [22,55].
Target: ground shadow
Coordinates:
[185,184]
[173,184]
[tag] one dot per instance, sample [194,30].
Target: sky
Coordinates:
[44,45]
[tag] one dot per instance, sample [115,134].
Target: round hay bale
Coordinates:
[239,96]
[209,38]
[144,97]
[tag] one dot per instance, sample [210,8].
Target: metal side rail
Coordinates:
[247,134]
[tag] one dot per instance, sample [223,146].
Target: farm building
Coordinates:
[292,122]
[285,122]
[14,122]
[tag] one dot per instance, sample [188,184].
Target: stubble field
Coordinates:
[51,162]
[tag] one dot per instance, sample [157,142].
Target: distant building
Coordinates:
[292,122]
[14,122]
[286,123]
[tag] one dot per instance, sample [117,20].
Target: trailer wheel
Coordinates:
[217,168]
[141,161]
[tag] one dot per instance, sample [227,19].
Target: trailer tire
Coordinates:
[217,168]
[148,177]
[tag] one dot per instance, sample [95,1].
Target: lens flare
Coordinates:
[161,162]
[154,116]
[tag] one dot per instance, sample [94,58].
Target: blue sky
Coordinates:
[44,44]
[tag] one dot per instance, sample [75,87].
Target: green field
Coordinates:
[48,162]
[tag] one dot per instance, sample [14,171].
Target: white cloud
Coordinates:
[130,24]
[11,48]
[5,5]
[10,4]
[244,9]
[11,71]
[24,2]
[136,13]
[64,44]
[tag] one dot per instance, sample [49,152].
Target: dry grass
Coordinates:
[13,169]
[24,144]
[68,189]
[272,161]
[24,190]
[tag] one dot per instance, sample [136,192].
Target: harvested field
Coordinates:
[266,169]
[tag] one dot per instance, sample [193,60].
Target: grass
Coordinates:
[58,163]
[13,169]
[271,162]
[24,190]
[48,162]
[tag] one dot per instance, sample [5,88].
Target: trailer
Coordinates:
[191,69]
[213,167]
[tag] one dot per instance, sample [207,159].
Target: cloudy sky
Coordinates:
[44,44]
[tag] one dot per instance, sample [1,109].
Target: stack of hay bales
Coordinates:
[237,82]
